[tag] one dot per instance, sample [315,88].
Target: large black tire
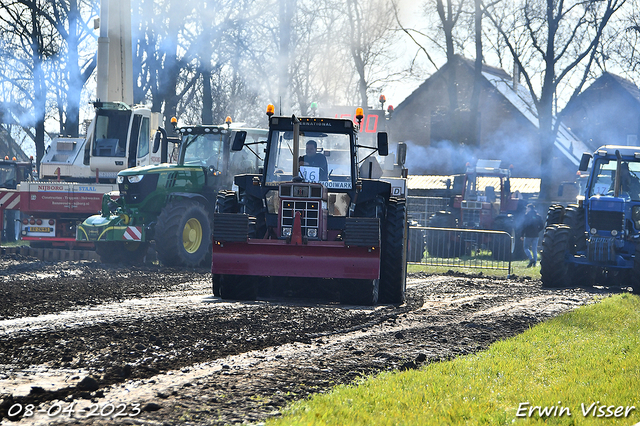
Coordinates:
[227,202]
[574,218]
[372,208]
[128,252]
[393,268]
[554,269]
[635,274]
[445,244]
[237,287]
[359,292]
[253,207]
[183,234]
[554,215]
[504,247]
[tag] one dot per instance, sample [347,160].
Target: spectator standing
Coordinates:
[531,228]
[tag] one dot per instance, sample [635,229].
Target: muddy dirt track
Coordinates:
[81,343]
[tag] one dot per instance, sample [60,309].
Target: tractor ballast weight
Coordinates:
[311,216]
[599,237]
[171,204]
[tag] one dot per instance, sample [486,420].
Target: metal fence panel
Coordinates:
[421,209]
[460,248]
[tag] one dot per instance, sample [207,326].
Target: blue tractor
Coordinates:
[598,238]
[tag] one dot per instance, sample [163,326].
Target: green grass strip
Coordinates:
[518,268]
[585,362]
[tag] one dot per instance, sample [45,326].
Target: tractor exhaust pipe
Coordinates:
[296,148]
[616,182]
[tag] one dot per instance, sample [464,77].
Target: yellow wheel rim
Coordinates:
[192,235]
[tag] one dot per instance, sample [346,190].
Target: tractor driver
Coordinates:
[313,158]
[629,182]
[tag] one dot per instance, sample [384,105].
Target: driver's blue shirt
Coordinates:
[317,160]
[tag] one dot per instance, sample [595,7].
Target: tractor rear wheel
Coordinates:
[554,269]
[417,244]
[445,244]
[129,252]
[183,234]
[554,215]
[393,267]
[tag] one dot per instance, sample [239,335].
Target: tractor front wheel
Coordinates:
[554,269]
[183,234]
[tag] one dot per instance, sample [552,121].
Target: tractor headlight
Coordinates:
[286,232]
[120,179]
[312,232]
[635,216]
[135,178]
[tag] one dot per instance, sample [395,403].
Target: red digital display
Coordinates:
[370,122]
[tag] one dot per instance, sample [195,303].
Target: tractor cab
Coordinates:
[13,172]
[209,147]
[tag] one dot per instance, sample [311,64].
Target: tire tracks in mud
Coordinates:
[187,357]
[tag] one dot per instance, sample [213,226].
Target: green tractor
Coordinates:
[172,204]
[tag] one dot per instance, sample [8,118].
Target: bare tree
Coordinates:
[29,41]
[563,35]
[370,36]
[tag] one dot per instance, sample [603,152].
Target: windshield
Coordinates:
[323,157]
[204,150]
[111,133]
[604,177]
[485,189]
[251,157]
[7,176]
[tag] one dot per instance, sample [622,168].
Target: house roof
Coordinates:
[627,85]
[566,142]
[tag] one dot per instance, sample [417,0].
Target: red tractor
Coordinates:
[311,218]
[486,203]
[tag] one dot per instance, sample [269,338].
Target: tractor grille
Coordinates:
[471,218]
[309,215]
[606,220]
[601,250]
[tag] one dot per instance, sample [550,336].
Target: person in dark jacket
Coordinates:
[531,228]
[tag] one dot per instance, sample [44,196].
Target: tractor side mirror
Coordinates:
[156,141]
[238,140]
[584,162]
[402,153]
[383,144]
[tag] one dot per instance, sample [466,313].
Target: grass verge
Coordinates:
[581,368]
